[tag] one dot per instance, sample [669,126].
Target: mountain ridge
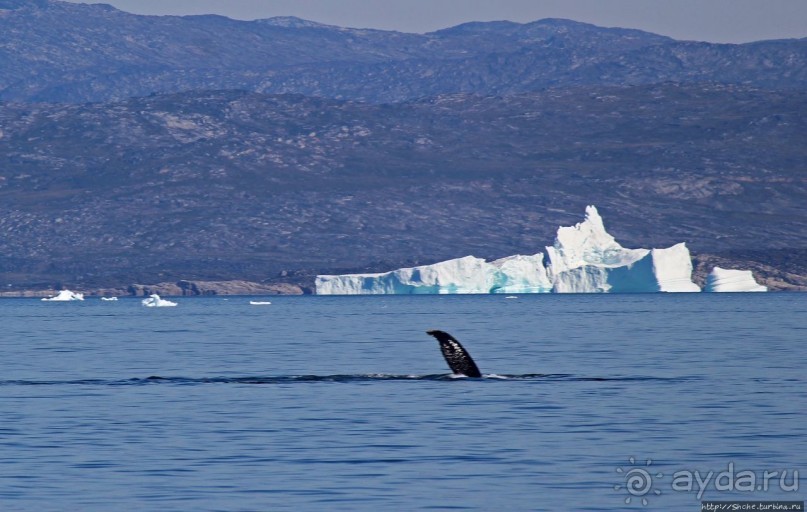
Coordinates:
[55,51]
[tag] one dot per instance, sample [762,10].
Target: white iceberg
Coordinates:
[583,259]
[726,280]
[154,301]
[65,296]
[515,274]
[109,299]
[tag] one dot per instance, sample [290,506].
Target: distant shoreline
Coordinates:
[233,288]
[784,277]
[181,288]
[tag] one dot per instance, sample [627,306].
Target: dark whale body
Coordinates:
[458,359]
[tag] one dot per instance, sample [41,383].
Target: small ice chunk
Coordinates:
[154,301]
[65,296]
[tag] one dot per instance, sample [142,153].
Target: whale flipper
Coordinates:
[458,359]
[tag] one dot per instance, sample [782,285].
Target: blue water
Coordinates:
[342,403]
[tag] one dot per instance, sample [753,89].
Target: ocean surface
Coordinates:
[590,402]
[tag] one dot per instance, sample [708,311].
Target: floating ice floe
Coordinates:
[259,303]
[109,299]
[65,296]
[154,301]
[725,280]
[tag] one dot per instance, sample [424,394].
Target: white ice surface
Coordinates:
[154,301]
[514,274]
[65,296]
[725,280]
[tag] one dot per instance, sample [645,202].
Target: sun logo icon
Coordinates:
[638,482]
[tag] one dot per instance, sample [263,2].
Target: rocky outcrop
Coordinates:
[197,288]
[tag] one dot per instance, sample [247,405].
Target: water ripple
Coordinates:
[373,377]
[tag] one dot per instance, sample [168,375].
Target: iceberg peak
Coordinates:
[588,243]
[587,259]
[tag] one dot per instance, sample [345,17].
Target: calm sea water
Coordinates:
[342,403]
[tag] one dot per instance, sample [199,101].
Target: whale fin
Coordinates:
[458,359]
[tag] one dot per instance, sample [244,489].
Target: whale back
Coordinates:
[458,359]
